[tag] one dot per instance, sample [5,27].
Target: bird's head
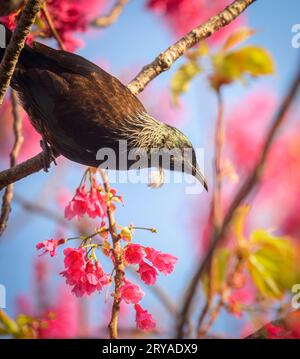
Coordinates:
[183,155]
[177,150]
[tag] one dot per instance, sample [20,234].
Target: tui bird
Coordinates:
[78,108]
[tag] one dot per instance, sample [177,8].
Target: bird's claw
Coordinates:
[48,155]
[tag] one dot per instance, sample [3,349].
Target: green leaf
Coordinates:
[219,270]
[251,60]
[221,264]
[237,37]
[271,264]
[238,222]
[182,79]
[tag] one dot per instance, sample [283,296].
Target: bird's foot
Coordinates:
[48,155]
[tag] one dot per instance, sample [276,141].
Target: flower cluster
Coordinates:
[163,262]
[50,246]
[131,293]
[92,202]
[71,16]
[83,271]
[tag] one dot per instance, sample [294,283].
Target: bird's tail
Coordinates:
[5,36]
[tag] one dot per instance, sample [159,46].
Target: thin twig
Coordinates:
[217,200]
[17,130]
[213,316]
[216,207]
[41,210]
[166,59]
[148,73]
[226,289]
[118,259]
[52,27]
[114,14]
[16,44]
[22,170]
[251,181]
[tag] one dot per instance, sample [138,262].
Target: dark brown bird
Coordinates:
[78,108]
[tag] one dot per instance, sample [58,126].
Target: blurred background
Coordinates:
[143,30]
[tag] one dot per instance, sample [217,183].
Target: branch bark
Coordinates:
[216,207]
[16,44]
[251,181]
[118,262]
[22,170]
[52,27]
[109,19]
[163,62]
[166,59]
[8,194]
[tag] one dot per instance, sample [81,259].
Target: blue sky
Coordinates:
[136,39]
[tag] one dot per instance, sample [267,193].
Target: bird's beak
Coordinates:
[201,178]
[198,174]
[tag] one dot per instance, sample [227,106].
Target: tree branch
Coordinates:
[163,62]
[8,194]
[166,59]
[52,27]
[118,262]
[16,44]
[107,20]
[251,181]
[216,207]
[22,170]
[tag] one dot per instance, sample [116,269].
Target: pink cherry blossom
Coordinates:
[75,264]
[71,16]
[144,320]
[85,276]
[183,15]
[77,207]
[273,331]
[61,320]
[10,22]
[31,144]
[96,206]
[50,246]
[147,273]
[93,279]
[134,253]
[131,293]
[245,130]
[162,261]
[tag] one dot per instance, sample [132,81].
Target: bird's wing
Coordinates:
[98,91]
[64,59]
[115,92]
